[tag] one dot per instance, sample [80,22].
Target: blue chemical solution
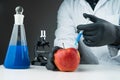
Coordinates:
[17,57]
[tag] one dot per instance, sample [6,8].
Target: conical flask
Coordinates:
[17,56]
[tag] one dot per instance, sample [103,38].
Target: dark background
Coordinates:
[39,14]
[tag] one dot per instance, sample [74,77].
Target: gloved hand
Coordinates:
[50,62]
[100,32]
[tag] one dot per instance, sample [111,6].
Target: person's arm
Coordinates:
[66,33]
[114,48]
[100,33]
[66,29]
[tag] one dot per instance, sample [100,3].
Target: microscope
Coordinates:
[41,54]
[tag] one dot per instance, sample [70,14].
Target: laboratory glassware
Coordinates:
[17,56]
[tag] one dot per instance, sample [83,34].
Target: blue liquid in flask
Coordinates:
[17,57]
[17,54]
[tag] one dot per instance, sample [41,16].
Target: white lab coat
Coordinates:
[70,15]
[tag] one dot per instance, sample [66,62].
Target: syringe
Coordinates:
[80,34]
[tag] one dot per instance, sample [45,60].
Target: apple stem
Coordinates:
[63,45]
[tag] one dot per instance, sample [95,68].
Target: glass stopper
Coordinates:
[19,10]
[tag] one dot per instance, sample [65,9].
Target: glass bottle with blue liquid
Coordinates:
[17,56]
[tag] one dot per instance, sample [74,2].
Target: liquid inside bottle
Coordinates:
[17,56]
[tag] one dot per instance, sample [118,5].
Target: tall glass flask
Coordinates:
[17,56]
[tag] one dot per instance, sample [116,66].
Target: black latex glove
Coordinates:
[100,32]
[50,62]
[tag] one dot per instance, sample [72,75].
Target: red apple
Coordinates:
[67,59]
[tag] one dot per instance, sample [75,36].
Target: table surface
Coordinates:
[83,72]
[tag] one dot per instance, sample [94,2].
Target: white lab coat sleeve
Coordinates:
[113,50]
[66,30]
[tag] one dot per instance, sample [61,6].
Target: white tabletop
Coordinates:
[84,72]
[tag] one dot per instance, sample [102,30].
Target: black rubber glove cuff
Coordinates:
[117,42]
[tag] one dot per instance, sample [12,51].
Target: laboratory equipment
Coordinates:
[17,56]
[78,38]
[41,50]
[80,33]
